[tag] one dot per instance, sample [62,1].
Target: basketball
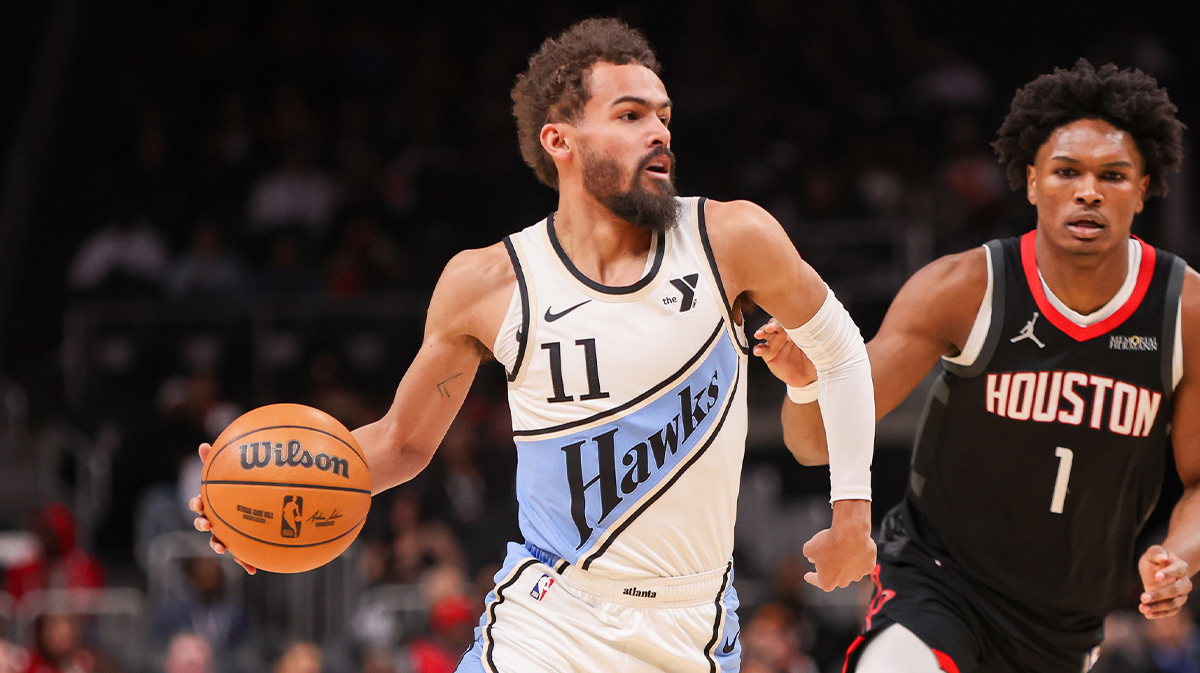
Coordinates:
[286,488]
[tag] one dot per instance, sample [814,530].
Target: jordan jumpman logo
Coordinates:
[1027,332]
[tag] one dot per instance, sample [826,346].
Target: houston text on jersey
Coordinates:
[1073,398]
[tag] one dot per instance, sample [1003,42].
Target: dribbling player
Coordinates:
[614,318]
[1070,363]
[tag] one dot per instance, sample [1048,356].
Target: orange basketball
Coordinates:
[286,488]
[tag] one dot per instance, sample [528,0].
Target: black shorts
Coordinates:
[969,628]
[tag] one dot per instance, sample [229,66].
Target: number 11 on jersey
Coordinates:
[1065,456]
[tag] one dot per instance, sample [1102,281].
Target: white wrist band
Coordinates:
[804,394]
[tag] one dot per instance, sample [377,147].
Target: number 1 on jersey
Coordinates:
[1065,456]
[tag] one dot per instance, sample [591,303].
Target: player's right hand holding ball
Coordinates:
[201,522]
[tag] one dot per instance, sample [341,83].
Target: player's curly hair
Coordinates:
[554,86]
[1128,99]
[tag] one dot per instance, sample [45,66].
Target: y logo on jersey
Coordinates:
[687,287]
[1027,332]
[541,587]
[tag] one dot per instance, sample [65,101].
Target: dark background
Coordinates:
[862,126]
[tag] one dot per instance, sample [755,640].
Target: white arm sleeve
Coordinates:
[847,396]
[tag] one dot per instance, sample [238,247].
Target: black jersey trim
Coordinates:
[491,609]
[1170,316]
[710,650]
[702,228]
[996,325]
[523,335]
[660,252]
[616,410]
[712,436]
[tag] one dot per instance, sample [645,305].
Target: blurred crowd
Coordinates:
[235,155]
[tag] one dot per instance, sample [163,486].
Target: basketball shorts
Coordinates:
[548,616]
[969,628]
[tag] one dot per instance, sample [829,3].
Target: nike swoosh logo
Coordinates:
[551,316]
[729,645]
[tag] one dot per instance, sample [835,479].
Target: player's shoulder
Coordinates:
[947,292]
[1189,299]
[965,271]
[474,290]
[737,218]
[481,268]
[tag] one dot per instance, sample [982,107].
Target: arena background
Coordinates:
[209,208]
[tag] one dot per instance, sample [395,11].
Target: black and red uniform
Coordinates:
[1034,470]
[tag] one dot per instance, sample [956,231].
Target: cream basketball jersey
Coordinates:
[628,405]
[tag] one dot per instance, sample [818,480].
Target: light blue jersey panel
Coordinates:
[574,488]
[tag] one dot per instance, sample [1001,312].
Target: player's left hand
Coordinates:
[1166,582]
[843,553]
[785,360]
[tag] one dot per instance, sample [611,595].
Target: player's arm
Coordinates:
[1166,569]
[465,313]
[931,317]
[467,307]
[756,259]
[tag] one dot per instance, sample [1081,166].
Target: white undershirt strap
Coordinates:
[983,321]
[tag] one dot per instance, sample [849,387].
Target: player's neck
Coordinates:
[601,245]
[1085,283]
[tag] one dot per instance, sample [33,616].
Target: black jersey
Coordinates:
[1036,467]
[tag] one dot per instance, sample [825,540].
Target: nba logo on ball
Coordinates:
[293,512]
[542,586]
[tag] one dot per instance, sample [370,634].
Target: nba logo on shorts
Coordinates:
[543,585]
[293,510]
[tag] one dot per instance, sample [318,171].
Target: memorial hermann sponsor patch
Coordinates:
[1133,343]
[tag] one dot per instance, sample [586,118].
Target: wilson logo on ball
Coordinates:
[260,454]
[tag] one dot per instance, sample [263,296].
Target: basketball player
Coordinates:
[615,319]
[1067,356]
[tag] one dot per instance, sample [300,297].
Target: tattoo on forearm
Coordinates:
[443,390]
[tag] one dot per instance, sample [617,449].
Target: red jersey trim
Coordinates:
[945,662]
[1063,323]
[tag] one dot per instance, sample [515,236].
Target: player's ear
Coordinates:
[1031,184]
[555,140]
[1143,187]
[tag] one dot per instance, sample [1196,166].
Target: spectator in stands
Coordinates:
[206,268]
[1174,643]
[300,657]
[206,610]
[420,544]
[287,270]
[59,563]
[297,193]
[1136,645]
[365,260]
[120,258]
[13,659]
[452,628]
[58,646]
[770,643]
[188,653]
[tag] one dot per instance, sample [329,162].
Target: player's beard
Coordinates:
[652,209]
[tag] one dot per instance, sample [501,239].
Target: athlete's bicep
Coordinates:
[756,258]
[1186,421]
[931,317]
[433,389]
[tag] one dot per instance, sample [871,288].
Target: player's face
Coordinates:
[1088,182]
[625,145]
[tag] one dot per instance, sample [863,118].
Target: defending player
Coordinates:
[1067,356]
[626,369]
